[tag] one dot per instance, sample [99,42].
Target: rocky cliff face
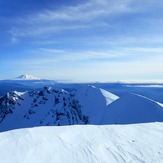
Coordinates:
[54,107]
[45,107]
[8,104]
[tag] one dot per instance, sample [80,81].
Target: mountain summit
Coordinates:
[26,77]
[53,107]
[49,106]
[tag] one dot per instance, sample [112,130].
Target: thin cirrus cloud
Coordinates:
[122,53]
[67,18]
[79,69]
[88,18]
[57,58]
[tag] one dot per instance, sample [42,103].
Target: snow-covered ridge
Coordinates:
[26,77]
[94,102]
[139,143]
[86,105]
[149,99]
[110,97]
[39,108]
[53,107]
[133,108]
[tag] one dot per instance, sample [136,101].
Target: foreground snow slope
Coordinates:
[138,143]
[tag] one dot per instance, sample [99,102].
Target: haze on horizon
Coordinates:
[84,40]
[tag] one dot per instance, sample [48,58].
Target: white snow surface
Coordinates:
[33,109]
[26,77]
[146,86]
[94,102]
[149,99]
[133,108]
[138,143]
[109,96]
[88,105]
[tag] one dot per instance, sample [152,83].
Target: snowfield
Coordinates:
[137,143]
[133,108]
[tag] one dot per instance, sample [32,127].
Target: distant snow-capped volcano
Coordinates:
[26,77]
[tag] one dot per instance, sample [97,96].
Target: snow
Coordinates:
[146,86]
[109,96]
[138,143]
[133,108]
[149,99]
[94,102]
[26,77]
[38,108]
[88,105]
[136,137]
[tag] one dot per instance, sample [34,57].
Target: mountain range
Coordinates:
[86,105]
[44,121]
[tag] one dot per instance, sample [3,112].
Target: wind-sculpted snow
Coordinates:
[139,143]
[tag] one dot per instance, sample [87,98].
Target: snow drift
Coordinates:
[140,143]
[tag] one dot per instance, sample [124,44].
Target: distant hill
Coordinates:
[26,77]
[23,83]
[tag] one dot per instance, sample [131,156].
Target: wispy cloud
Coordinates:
[82,12]
[89,17]
[51,51]
[124,53]
[58,56]
[67,18]
[90,65]
[49,57]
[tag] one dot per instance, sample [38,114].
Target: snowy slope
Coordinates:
[140,143]
[53,107]
[39,108]
[133,108]
[87,105]
[149,99]
[94,102]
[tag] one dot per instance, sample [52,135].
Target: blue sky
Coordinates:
[82,40]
